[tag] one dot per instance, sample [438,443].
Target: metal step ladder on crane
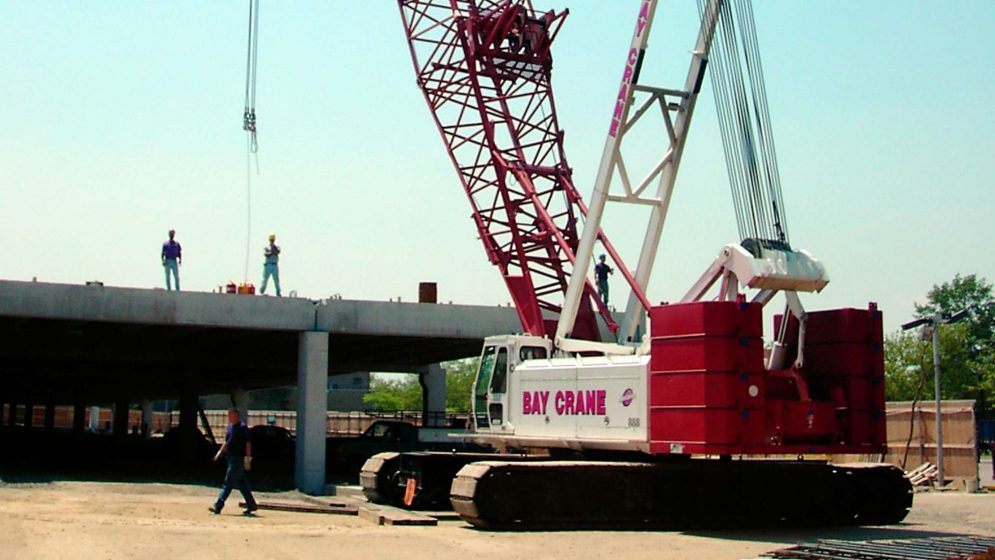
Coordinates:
[645,430]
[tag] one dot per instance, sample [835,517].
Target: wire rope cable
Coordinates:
[249,125]
[248,205]
[744,121]
[252,51]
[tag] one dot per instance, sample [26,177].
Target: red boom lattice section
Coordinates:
[484,67]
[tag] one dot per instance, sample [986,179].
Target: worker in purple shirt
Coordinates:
[172,258]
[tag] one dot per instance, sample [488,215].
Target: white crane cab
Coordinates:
[524,398]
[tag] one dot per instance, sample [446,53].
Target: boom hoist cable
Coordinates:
[747,137]
[249,123]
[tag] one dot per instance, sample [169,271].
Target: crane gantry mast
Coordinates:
[677,108]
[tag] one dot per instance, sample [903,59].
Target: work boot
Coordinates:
[214,509]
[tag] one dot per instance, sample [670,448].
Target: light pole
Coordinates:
[934,323]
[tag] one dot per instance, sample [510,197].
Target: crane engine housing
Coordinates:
[701,388]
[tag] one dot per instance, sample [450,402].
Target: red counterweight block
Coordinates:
[844,363]
[706,377]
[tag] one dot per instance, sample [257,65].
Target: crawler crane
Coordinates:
[601,422]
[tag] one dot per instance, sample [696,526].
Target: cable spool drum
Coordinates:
[427,292]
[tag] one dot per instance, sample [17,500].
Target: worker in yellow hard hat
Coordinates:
[271,267]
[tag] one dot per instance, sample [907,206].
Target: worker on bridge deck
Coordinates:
[172,258]
[271,267]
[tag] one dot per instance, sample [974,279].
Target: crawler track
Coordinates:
[690,493]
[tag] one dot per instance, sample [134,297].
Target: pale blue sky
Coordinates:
[122,119]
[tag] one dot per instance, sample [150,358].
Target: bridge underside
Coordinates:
[94,345]
[44,360]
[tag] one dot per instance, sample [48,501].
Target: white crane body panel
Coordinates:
[578,402]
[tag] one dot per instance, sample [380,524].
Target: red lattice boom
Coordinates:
[484,67]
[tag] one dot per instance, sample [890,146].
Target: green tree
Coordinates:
[965,292]
[967,349]
[459,384]
[909,365]
[905,364]
[387,395]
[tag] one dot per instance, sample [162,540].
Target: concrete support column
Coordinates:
[29,415]
[120,422]
[147,417]
[49,416]
[188,416]
[433,390]
[79,418]
[312,388]
[12,416]
[94,419]
[240,400]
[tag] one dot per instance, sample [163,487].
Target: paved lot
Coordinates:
[118,520]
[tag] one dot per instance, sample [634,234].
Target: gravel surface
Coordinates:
[129,520]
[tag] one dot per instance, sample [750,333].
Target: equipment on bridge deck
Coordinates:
[650,422]
[244,288]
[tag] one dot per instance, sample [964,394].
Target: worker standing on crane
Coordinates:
[172,257]
[271,267]
[601,272]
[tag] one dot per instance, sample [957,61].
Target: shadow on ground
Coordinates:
[34,456]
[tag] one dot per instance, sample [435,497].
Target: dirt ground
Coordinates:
[133,520]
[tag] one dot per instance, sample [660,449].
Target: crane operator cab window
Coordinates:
[490,386]
[532,353]
[481,384]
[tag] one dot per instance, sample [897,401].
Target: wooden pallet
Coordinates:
[923,474]
[386,515]
[374,513]
[333,508]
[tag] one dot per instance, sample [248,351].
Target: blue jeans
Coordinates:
[235,478]
[169,265]
[268,271]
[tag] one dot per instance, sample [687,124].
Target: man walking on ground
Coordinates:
[271,266]
[238,448]
[172,258]
[601,272]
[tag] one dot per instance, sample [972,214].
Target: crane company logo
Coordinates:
[630,71]
[627,397]
[565,403]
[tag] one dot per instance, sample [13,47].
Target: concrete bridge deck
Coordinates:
[82,345]
[95,338]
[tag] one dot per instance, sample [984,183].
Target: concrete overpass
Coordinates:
[80,345]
